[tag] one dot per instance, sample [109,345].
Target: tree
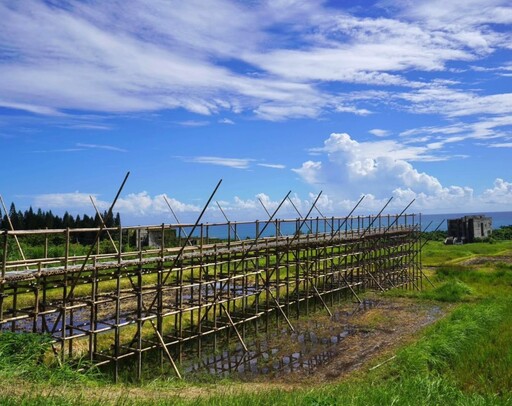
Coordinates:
[13,215]
[117,221]
[36,220]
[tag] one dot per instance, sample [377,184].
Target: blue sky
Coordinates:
[410,99]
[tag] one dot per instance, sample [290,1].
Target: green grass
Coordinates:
[463,359]
[435,253]
[27,356]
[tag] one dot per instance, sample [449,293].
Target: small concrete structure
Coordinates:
[468,229]
[153,238]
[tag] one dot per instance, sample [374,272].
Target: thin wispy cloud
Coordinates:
[237,163]
[150,57]
[226,121]
[88,127]
[273,166]
[98,146]
[501,145]
[379,132]
[193,123]
[45,151]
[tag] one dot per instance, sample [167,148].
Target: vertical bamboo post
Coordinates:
[117,332]
[200,299]
[160,301]
[139,317]
[181,311]
[93,321]
[14,307]
[36,298]
[46,244]
[419,256]
[65,295]
[4,268]
[4,256]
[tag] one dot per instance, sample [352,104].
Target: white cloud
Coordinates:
[484,128]
[102,56]
[194,123]
[93,57]
[74,200]
[501,145]
[251,209]
[439,99]
[142,207]
[310,171]
[338,143]
[31,108]
[105,147]
[353,110]
[379,132]
[143,204]
[351,168]
[131,205]
[499,194]
[237,163]
[471,13]
[274,166]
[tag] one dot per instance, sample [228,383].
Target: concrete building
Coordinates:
[153,238]
[469,228]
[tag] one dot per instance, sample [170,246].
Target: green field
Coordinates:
[465,358]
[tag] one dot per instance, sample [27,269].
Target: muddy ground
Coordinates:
[375,328]
[485,260]
[325,348]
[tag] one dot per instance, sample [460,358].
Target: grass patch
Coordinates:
[451,291]
[29,356]
[435,253]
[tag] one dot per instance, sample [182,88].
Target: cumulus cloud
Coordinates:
[310,171]
[74,200]
[500,193]
[132,205]
[339,199]
[380,168]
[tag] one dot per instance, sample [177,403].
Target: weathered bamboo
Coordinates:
[216,286]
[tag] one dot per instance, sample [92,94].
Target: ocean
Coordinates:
[244,231]
[499,219]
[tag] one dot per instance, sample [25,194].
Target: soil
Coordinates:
[486,260]
[368,330]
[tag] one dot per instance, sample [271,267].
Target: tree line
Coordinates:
[39,219]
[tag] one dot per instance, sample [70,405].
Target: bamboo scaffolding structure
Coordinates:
[177,300]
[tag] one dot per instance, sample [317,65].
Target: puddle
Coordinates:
[322,347]
[52,323]
[313,352]
[302,351]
